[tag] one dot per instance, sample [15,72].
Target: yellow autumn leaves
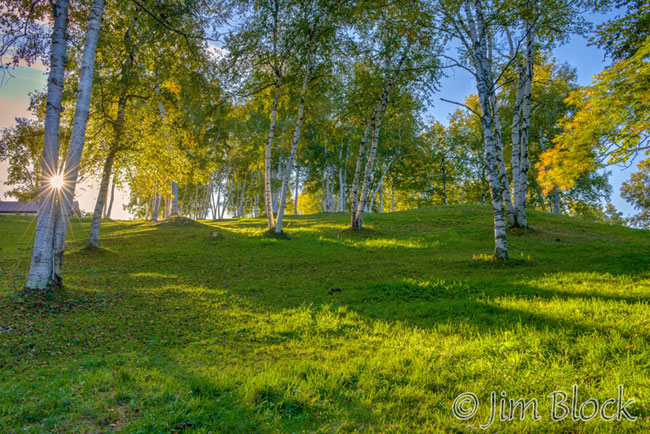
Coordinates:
[611,123]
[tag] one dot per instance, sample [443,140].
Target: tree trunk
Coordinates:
[381,180]
[501,165]
[268,198]
[378,116]
[516,126]
[156,207]
[328,189]
[93,239]
[357,223]
[444,181]
[522,192]
[295,201]
[118,128]
[357,171]
[484,86]
[41,271]
[343,175]
[173,211]
[78,133]
[174,199]
[110,202]
[498,142]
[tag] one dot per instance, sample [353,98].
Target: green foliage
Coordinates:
[22,147]
[624,35]
[637,191]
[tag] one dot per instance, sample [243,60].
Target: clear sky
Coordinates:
[588,61]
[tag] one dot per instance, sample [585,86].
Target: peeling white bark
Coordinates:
[70,169]
[41,271]
[485,86]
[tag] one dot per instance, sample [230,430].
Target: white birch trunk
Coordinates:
[498,142]
[110,202]
[93,238]
[268,198]
[276,192]
[156,207]
[357,221]
[381,181]
[78,133]
[174,199]
[41,271]
[522,192]
[357,171]
[516,125]
[444,181]
[328,190]
[118,128]
[173,211]
[484,86]
[295,201]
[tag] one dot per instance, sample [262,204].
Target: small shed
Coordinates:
[18,208]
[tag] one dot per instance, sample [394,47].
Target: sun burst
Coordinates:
[56,181]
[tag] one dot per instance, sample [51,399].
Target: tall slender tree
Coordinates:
[41,272]
[70,169]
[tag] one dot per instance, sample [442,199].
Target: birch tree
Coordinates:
[406,53]
[314,32]
[70,169]
[543,24]
[41,271]
[466,21]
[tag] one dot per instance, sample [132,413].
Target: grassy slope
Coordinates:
[168,325]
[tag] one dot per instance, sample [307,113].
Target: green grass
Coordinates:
[169,329]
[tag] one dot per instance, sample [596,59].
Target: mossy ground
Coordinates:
[168,328]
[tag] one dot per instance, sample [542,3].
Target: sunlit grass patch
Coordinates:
[330,331]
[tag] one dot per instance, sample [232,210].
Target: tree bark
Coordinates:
[41,271]
[173,211]
[501,165]
[357,171]
[381,180]
[295,201]
[268,196]
[522,192]
[444,181]
[118,129]
[156,207]
[498,137]
[357,223]
[174,199]
[93,239]
[485,86]
[78,133]
[343,181]
[110,202]
[516,126]
[380,110]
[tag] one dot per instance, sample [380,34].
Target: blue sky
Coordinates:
[588,61]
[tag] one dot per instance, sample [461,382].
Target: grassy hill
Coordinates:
[169,328]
